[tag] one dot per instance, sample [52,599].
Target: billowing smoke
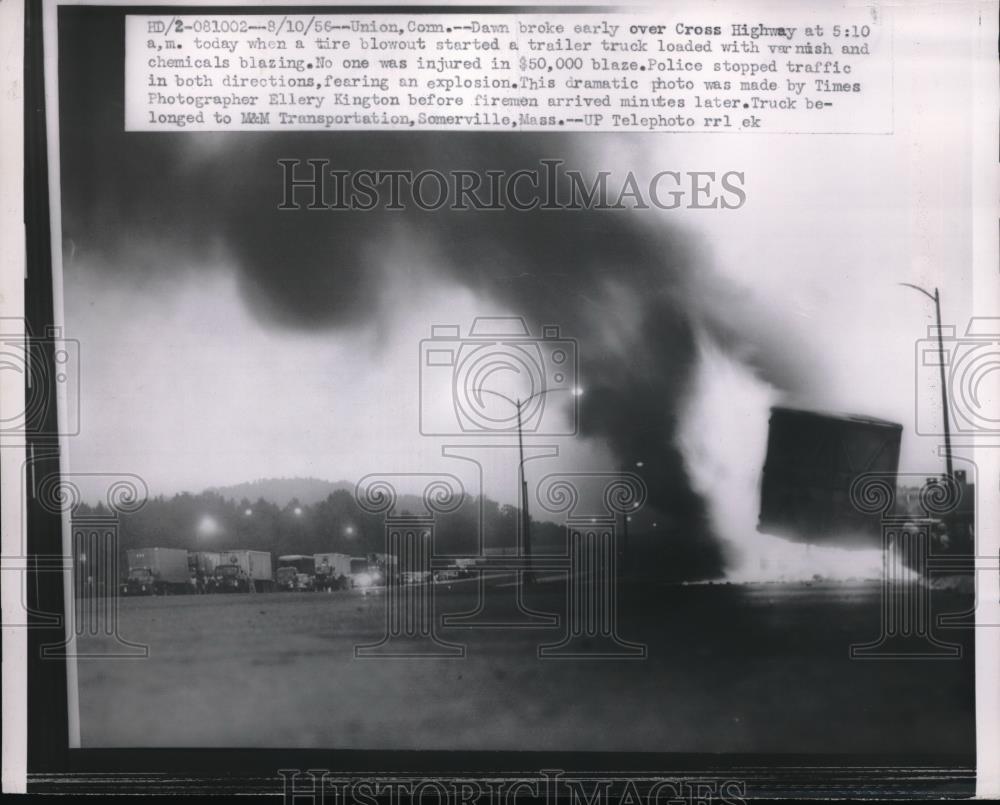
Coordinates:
[722,435]
[634,289]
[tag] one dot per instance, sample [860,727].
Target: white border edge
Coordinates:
[985,212]
[12,272]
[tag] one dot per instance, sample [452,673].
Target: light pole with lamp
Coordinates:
[936,298]
[520,405]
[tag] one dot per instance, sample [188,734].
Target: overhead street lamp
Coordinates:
[520,405]
[936,298]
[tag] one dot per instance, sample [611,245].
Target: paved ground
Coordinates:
[729,668]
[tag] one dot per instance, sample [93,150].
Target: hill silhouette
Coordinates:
[282,491]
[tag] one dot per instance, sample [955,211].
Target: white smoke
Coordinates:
[723,439]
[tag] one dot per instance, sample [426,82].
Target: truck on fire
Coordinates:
[156,571]
[812,464]
[242,571]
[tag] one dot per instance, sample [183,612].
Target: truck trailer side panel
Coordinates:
[813,460]
[167,570]
[256,565]
[336,564]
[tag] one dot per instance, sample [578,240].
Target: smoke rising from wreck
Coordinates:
[633,288]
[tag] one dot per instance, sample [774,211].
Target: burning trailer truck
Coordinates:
[813,460]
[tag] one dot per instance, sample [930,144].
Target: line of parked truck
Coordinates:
[166,571]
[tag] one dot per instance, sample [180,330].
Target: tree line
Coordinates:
[209,521]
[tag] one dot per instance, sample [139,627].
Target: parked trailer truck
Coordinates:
[204,562]
[156,571]
[243,571]
[296,573]
[201,566]
[333,571]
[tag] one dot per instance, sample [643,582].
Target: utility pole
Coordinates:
[936,298]
[625,518]
[525,517]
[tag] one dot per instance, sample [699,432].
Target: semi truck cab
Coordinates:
[230,579]
[140,581]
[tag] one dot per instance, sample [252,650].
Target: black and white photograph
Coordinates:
[605,381]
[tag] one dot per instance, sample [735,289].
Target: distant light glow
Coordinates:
[208,526]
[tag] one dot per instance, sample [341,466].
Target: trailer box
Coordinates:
[296,572]
[203,563]
[156,571]
[339,564]
[253,569]
[812,461]
[333,570]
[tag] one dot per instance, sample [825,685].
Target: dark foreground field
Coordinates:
[757,668]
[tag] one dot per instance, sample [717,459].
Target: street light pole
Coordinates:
[525,517]
[936,298]
[625,520]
